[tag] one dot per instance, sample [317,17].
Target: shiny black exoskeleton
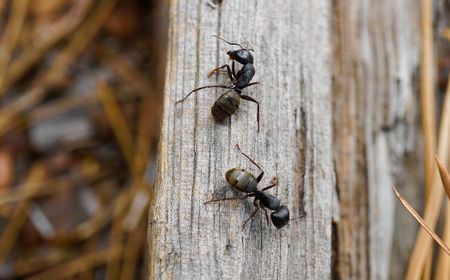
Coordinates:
[243,56]
[228,103]
[243,181]
[242,78]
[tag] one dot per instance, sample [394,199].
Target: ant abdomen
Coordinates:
[226,105]
[241,180]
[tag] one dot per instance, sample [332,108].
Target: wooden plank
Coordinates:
[190,240]
[375,120]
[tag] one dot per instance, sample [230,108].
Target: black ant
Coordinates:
[244,181]
[228,103]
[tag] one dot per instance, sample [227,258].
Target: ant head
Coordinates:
[242,56]
[280,218]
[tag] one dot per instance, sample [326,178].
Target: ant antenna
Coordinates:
[251,160]
[231,43]
[200,88]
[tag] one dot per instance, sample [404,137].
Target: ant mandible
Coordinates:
[228,103]
[243,181]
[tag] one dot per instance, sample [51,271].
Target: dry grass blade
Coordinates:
[446,33]
[443,261]
[66,104]
[442,270]
[10,113]
[445,177]
[11,35]
[32,55]
[52,186]
[116,235]
[83,212]
[33,264]
[91,226]
[6,168]
[427,104]
[427,99]
[130,75]
[421,221]
[18,218]
[79,265]
[78,42]
[132,250]
[143,139]
[90,246]
[133,77]
[116,121]
[21,192]
[423,246]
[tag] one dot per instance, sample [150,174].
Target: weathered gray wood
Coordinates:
[190,240]
[376,134]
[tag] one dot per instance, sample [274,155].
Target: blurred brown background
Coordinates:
[80,91]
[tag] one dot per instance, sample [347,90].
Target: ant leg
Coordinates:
[252,161]
[230,74]
[251,84]
[248,98]
[265,212]
[253,214]
[200,88]
[274,183]
[226,198]
[234,71]
[222,71]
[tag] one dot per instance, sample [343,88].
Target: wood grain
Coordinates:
[190,240]
[375,128]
